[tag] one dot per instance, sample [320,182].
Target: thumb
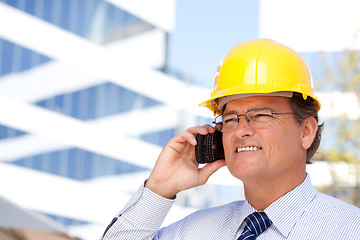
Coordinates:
[209,169]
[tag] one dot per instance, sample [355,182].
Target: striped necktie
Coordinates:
[255,224]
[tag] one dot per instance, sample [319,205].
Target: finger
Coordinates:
[205,129]
[181,142]
[186,136]
[209,128]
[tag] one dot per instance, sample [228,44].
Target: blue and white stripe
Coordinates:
[303,213]
[255,224]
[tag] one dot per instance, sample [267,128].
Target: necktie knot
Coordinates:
[255,224]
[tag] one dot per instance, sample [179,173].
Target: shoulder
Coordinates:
[203,223]
[226,209]
[337,207]
[207,216]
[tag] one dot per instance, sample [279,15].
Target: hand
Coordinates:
[176,168]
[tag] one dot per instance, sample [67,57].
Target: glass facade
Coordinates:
[15,58]
[7,132]
[77,164]
[98,101]
[95,20]
[102,23]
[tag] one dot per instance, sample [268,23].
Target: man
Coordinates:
[267,113]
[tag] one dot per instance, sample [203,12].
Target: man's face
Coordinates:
[261,153]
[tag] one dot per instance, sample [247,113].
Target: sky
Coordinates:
[205,30]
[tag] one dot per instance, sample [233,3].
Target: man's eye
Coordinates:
[230,120]
[261,116]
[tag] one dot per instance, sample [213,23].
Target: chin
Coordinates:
[241,171]
[244,169]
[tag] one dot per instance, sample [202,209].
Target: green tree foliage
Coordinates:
[344,77]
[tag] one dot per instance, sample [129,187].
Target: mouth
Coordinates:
[248,149]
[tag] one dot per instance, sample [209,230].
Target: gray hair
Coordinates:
[304,109]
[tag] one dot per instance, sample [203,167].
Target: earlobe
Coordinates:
[309,129]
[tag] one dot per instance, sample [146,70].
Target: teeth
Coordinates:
[250,148]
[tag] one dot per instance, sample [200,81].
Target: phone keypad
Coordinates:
[209,148]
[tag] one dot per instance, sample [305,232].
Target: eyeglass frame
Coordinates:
[246,117]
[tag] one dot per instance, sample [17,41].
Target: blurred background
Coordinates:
[91,90]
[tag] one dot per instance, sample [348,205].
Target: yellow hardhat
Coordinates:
[260,67]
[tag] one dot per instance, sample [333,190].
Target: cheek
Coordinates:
[282,144]
[226,143]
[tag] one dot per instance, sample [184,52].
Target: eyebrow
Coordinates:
[252,109]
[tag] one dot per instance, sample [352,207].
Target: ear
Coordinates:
[309,129]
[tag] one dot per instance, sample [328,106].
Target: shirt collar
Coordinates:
[243,211]
[286,211]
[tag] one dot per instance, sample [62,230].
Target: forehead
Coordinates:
[250,103]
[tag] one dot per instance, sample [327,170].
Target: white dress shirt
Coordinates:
[303,213]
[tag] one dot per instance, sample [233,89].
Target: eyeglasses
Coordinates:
[256,118]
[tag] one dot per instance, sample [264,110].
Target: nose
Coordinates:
[244,128]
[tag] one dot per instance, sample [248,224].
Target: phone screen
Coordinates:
[209,147]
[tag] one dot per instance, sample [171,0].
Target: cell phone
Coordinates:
[209,147]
